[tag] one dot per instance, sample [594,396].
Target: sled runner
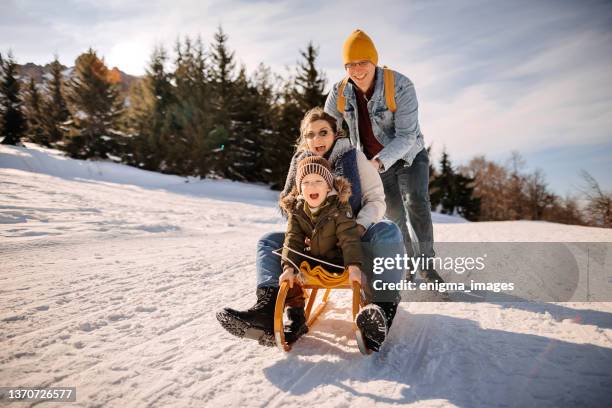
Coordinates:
[314,279]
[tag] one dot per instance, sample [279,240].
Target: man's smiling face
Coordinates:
[362,73]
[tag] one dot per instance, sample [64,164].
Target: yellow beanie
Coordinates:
[357,47]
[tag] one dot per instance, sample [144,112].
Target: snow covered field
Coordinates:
[110,278]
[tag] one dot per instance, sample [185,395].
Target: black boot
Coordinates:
[372,323]
[296,325]
[255,323]
[389,308]
[375,323]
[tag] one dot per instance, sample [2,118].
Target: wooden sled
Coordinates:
[314,279]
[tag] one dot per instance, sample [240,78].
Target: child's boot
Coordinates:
[296,326]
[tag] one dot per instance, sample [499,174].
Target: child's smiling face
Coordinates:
[314,188]
[319,137]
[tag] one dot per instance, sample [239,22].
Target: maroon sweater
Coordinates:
[371,147]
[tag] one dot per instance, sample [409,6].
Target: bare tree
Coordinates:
[490,185]
[566,211]
[538,197]
[599,202]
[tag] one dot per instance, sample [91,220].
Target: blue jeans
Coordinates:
[407,198]
[382,239]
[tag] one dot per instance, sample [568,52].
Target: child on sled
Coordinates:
[321,225]
[320,136]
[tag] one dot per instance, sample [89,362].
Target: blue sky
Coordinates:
[491,76]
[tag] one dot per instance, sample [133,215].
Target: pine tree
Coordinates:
[142,151]
[190,122]
[150,102]
[298,94]
[265,115]
[443,194]
[223,67]
[453,192]
[35,115]
[222,76]
[13,121]
[56,108]
[466,204]
[309,81]
[251,126]
[96,107]
[286,127]
[239,148]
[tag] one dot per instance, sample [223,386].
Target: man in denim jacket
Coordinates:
[392,141]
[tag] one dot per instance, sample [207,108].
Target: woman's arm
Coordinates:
[373,193]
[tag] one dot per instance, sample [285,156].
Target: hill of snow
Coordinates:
[110,278]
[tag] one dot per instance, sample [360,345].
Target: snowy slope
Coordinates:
[110,278]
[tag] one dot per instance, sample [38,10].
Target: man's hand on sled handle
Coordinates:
[289,276]
[354,274]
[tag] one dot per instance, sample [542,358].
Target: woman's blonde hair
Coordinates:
[313,115]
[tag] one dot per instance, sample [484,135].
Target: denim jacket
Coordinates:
[398,132]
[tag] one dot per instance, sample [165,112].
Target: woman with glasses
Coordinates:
[320,136]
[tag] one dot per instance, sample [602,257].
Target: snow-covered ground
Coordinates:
[110,278]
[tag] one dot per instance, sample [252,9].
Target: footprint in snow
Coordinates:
[146,309]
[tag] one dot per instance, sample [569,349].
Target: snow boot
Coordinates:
[255,323]
[390,308]
[372,323]
[296,324]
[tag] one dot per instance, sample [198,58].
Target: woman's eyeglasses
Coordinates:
[312,135]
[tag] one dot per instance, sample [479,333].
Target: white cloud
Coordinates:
[490,76]
[568,103]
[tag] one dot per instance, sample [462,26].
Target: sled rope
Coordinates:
[324,277]
[275,252]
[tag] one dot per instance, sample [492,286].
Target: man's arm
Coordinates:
[406,125]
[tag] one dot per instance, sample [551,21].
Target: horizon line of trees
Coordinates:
[483,190]
[194,113]
[197,113]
